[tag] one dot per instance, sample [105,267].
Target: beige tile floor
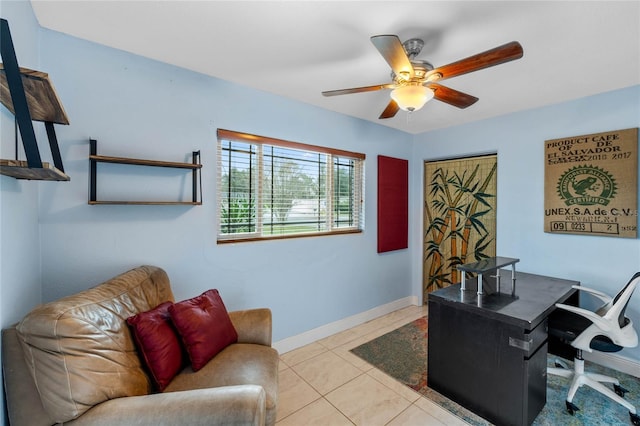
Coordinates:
[324,384]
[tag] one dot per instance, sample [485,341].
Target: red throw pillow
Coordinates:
[158,343]
[204,325]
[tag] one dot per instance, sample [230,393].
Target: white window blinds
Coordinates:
[271,188]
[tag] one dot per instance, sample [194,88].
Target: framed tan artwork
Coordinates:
[591,184]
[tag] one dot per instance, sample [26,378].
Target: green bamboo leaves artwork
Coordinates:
[459,217]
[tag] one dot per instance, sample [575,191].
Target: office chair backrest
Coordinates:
[629,288]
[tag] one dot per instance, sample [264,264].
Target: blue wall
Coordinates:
[53,243]
[141,108]
[604,263]
[20,287]
[20,284]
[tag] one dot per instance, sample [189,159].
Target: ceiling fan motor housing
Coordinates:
[412,48]
[420,69]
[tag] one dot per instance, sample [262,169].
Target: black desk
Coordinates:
[489,352]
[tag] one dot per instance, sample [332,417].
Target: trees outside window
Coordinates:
[269,188]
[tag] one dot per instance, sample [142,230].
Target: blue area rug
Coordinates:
[402,354]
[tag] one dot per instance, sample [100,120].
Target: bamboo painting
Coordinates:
[459,217]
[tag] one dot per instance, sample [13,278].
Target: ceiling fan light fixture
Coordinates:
[412,97]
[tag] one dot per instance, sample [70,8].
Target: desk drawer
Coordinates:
[530,341]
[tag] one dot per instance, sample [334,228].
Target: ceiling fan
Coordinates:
[414,82]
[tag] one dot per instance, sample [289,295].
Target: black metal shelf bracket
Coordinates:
[195,159]
[21,108]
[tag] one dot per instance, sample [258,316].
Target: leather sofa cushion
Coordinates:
[79,350]
[237,364]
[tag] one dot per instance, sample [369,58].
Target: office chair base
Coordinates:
[571,408]
[593,380]
[619,390]
[561,364]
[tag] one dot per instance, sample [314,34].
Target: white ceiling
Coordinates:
[297,49]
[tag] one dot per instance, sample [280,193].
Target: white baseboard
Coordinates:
[615,362]
[297,341]
[612,361]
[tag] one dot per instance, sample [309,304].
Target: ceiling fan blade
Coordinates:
[452,96]
[501,54]
[390,111]
[392,51]
[358,89]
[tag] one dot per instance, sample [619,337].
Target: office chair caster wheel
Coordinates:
[560,364]
[635,419]
[620,391]
[571,408]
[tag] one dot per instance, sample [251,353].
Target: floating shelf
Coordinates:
[42,99]
[147,203]
[21,170]
[140,162]
[94,158]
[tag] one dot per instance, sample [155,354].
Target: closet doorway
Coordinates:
[459,217]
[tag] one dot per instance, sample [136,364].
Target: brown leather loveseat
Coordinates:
[75,361]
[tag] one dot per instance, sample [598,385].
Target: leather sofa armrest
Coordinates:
[23,403]
[237,405]
[253,325]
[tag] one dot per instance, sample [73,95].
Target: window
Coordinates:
[271,188]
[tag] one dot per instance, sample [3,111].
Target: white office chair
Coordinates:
[605,330]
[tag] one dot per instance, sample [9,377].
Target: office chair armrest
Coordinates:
[600,295]
[596,319]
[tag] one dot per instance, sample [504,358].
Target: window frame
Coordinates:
[230,135]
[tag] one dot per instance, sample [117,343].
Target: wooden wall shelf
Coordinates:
[141,162]
[21,170]
[42,99]
[146,203]
[94,158]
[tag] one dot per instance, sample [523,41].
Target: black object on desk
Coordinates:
[488,352]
